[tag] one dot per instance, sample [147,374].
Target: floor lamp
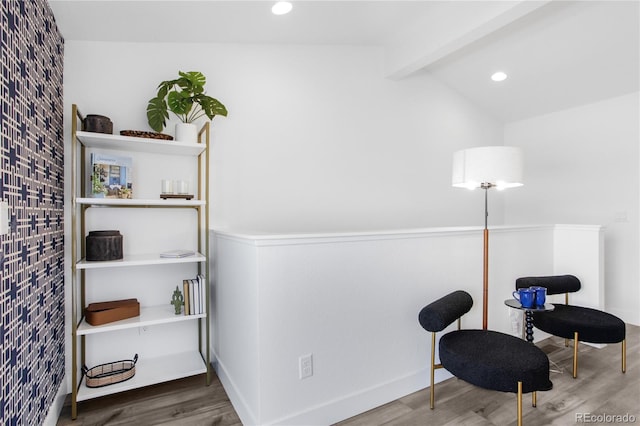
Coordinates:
[487,167]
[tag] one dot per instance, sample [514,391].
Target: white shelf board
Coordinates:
[139,260]
[150,371]
[129,143]
[152,315]
[139,202]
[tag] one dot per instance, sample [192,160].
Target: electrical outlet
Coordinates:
[305,364]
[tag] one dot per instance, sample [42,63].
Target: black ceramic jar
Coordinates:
[97,123]
[104,245]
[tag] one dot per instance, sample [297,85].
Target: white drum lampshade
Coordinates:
[487,166]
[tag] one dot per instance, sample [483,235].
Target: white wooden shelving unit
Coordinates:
[149,370]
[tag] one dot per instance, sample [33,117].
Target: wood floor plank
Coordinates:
[381,414]
[469,418]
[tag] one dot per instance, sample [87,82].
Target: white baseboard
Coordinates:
[56,405]
[347,406]
[336,410]
[247,417]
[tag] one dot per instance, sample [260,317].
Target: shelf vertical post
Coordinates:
[206,242]
[203,194]
[75,114]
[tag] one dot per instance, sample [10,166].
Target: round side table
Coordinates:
[528,314]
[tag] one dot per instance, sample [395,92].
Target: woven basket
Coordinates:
[110,373]
[143,134]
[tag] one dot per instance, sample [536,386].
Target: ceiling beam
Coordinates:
[404,58]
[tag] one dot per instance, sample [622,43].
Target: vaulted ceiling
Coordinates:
[558,54]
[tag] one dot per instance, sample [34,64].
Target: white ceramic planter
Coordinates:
[186,132]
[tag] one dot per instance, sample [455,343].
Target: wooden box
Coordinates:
[116,310]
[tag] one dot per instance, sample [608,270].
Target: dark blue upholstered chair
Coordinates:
[484,358]
[575,322]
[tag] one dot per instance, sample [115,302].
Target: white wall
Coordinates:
[581,166]
[316,138]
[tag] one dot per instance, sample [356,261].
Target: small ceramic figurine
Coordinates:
[177,300]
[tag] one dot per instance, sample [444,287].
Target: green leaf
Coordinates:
[211,106]
[184,84]
[178,104]
[164,87]
[196,80]
[157,113]
[162,91]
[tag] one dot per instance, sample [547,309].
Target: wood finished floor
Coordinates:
[184,402]
[599,389]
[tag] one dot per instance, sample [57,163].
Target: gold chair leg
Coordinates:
[575,354]
[534,399]
[624,356]
[433,367]
[519,403]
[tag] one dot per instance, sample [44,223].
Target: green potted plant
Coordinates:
[186,98]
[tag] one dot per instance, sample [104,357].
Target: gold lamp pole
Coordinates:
[485,258]
[487,167]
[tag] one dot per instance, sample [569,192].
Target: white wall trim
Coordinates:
[276,239]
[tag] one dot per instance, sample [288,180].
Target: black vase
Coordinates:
[97,123]
[104,245]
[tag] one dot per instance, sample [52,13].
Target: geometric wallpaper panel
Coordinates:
[31,255]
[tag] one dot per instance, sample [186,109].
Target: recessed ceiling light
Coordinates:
[281,8]
[499,76]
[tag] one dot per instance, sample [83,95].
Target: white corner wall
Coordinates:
[352,300]
[581,166]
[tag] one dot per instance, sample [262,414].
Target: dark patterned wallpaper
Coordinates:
[31,259]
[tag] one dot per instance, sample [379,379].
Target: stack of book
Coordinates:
[177,253]
[195,293]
